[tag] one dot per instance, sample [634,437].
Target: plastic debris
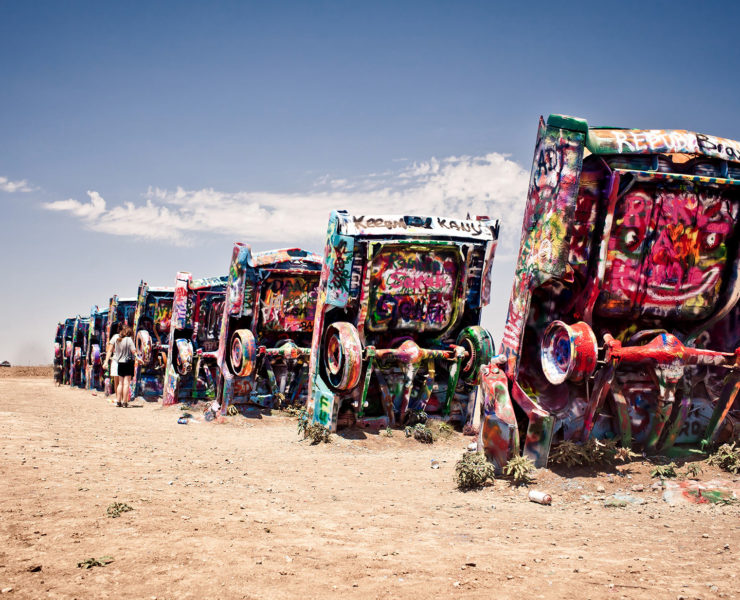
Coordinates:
[717,491]
[539,497]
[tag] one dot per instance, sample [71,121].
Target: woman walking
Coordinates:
[125,354]
[110,359]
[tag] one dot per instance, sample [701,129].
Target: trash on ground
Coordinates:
[716,491]
[539,497]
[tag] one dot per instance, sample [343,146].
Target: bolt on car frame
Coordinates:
[398,319]
[192,361]
[266,329]
[623,321]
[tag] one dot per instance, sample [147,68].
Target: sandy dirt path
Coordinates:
[245,509]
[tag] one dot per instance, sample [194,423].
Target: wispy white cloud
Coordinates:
[6,185]
[88,211]
[456,186]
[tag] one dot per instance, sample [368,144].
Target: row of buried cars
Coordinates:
[623,319]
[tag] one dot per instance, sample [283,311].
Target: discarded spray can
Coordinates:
[540,497]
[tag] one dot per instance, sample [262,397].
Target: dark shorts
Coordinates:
[126,369]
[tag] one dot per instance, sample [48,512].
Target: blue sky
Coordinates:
[142,138]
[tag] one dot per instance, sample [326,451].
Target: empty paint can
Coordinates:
[540,497]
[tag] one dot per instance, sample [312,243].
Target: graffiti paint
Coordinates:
[279,287]
[623,318]
[388,335]
[152,324]
[413,289]
[192,363]
[289,303]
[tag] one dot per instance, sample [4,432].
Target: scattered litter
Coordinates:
[182,420]
[435,463]
[473,447]
[539,497]
[613,502]
[6,590]
[717,491]
[628,498]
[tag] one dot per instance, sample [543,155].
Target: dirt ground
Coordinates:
[245,509]
[40,371]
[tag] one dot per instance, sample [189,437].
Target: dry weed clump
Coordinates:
[664,471]
[114,510]
[473,471]
[421,433]
[520,470]
[726,457]
[593,452]
[316,432]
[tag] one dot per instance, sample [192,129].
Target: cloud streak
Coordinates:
[6,185]
[491,184]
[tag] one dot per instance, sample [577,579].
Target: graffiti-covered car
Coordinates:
[79,351]
[192,356]
[95,354]
[265,338]
[623,321]
[398,319]
[120,310]
[67,348]
[152,336]
[58,363]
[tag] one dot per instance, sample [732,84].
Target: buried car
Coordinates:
[77,371]
[67,348]
[266,329]
[151,334]
[94,374]
[120,310]
[59,352]
[397,324]
[192,365]
[623,321]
